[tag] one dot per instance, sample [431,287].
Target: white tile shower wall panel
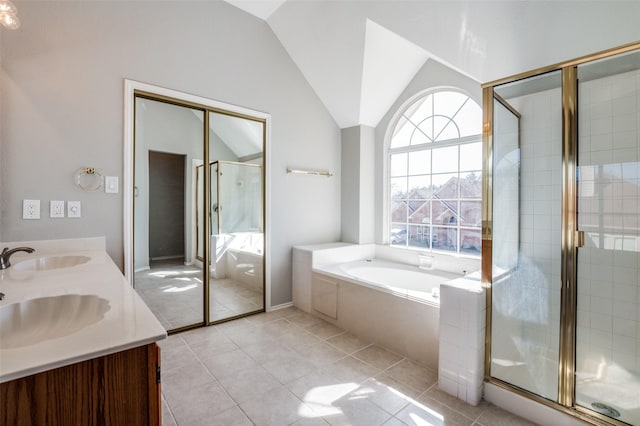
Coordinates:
[608,281]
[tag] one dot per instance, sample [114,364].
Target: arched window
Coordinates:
[435,174]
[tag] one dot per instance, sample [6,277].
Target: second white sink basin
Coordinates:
[36,320]
[49,262]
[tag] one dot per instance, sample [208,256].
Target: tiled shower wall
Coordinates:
[608,281]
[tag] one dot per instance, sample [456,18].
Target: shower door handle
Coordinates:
[579,239]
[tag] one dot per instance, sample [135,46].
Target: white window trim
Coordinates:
[387,151]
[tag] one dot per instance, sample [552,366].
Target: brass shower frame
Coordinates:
[570,237]
[206,109]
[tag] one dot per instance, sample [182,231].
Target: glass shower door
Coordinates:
[526,269]
[608,311]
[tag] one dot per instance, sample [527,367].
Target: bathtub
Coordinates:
[390,304]
[393,278]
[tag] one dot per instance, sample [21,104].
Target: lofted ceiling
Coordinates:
[359,55]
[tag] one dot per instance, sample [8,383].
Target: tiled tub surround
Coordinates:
[128,323]
[328,282]
[462,335]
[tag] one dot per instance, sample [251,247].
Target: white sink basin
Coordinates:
[50,262]
[36,320]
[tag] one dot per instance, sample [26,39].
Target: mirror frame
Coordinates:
[130,88]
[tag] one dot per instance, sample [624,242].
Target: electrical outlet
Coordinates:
[74,209]
[31,209]
[56,208]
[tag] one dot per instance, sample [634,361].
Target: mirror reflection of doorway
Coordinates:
[166,201]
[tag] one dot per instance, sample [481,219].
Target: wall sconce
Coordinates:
[9,15]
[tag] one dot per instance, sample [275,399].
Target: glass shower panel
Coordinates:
[526,264]
[608,314]
[240,197]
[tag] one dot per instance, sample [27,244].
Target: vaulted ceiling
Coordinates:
[359,55]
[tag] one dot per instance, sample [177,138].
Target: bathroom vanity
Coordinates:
[77,344]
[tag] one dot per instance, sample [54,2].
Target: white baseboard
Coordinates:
[281,306]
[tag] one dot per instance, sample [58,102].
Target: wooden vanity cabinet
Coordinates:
[118,389]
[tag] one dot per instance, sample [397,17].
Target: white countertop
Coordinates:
[127,324]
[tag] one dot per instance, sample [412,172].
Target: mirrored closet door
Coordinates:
[188,215]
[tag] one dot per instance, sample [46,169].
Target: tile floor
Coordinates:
[290,368]
[173,292]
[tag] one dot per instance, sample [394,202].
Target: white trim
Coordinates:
[386,150]
[129,87]
[281,306]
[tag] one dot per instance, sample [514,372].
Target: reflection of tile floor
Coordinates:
[287,367]
[173,292]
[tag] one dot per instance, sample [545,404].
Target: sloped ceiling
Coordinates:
[358,55]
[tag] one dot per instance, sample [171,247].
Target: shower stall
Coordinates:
[561,235]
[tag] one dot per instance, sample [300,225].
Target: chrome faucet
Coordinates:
[6,254]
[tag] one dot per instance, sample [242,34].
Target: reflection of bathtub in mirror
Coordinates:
[239,256]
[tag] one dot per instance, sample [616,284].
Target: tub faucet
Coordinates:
[6,254]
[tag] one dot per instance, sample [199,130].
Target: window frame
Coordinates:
[389,224]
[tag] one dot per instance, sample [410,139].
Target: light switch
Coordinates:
[31,209]
[111,184]
[74,209]
[56,208]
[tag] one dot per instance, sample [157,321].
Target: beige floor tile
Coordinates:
[324,330]
[278,327]
[310,421]
[297,339]
[198,404]
[213,344]
[386,392]
[321,354]
[178,380]
[249,384]
[198,334]
[277,407]
[431,413]
[206,373]
[319,390]
[377,356]
[248,336]
[414,375]
[394,422]
[176,357]
[230,417]
[288,368]
[348,342]
[167,416]
[266,352]
[351,370]
[303,319]
[229,363]
[357,411]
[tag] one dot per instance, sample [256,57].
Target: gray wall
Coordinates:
[62,108]
[358,176]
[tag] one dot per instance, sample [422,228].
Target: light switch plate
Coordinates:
[31,209]
[74,209]
[56,208]
[111,184]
